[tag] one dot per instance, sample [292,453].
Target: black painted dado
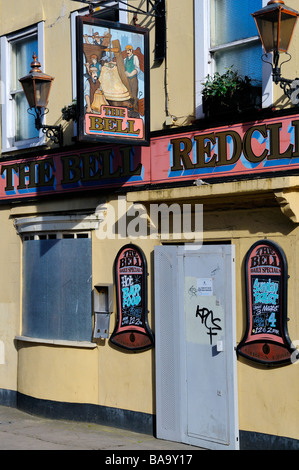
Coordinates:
[124,419]
[259,441]
[8,398]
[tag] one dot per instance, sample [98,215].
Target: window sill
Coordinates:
[58,342]
[35,143]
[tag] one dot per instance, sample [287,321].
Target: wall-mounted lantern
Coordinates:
[275,23]
[36,86]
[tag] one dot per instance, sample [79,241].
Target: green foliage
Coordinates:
[225,85]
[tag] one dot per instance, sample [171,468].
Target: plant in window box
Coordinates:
[229,93]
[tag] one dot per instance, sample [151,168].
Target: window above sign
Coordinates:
[234,41]
[225,38]
[18,127]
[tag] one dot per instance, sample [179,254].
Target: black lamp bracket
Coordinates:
[54,133]
[287,85]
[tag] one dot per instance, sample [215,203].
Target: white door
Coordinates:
[196,394]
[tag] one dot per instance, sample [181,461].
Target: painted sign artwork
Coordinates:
[112,82]
[132,331]
[266,339]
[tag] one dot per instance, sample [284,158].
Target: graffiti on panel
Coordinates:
[207,318]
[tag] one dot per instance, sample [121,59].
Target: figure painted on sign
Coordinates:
[95,50]
[93,93]
[132,68]
[94,63]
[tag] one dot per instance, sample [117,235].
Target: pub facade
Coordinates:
[149,233]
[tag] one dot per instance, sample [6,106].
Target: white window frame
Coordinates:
[8,142]
[204,61]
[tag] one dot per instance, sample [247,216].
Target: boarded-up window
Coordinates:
[57,287]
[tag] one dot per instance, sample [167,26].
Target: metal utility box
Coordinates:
[102,307]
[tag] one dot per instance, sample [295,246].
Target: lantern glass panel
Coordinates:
[28,88]
[286,30]
[267,26]
[42,90]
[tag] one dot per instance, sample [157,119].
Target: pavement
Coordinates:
[23,431]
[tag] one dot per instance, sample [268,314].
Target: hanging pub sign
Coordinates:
[112,82]
[132,331]
[266,339]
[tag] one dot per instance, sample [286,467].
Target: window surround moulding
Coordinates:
[74,222]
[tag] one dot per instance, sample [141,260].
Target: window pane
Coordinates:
[25,123]
[57,289]
[22,52]
[232,21]
[246,60]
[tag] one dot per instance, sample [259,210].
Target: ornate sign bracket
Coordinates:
[153,7]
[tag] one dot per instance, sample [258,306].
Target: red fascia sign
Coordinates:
[77,171]
[240,150]
[228,151]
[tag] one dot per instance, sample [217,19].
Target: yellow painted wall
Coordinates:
[9,300]
[58,373]
[180,61]
[126,378]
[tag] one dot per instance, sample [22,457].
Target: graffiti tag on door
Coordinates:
[208,320]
